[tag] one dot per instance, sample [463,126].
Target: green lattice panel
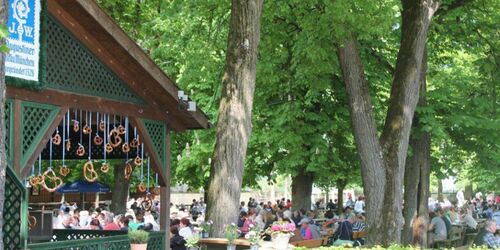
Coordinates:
[14,212]
[72,67]
[156,241]
[8,132]
[157,131]
[107,243]
[35,120]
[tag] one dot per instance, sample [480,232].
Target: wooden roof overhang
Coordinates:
[109,43]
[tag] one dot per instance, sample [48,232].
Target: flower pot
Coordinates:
[254,247]
[139,246]
[280,241]
[231,247]
[204,235]
[194,248]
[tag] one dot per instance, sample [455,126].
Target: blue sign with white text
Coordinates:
[24,40]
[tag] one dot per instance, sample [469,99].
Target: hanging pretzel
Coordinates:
[68,145]
[102,126]
[104,167]
[147,203]
[137,160]
[121,130]
[80,151]
[134,143]
[125,148]
[88,171]
[114,138]
[109,148]
[87,130]
[156,191]
[31,222]
[98,140]
[50,175]
[56,139]
[76,126]
[128,170]
[35,180]
[64,170]
[141,187]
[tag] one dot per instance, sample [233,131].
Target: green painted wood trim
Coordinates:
[160,155]
[42,57]
[10,155]
[53,113]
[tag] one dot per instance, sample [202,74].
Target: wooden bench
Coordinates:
[221,243]
[309,243]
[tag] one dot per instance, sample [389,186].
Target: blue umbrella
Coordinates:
[83,187]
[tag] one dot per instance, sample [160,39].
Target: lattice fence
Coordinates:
[157,132]
[156,241]
[12,211]
[72,67]
[35,120]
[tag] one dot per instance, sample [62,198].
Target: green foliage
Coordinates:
[4,33]
[300,115]
[138,236]
[231,232]
[193,240]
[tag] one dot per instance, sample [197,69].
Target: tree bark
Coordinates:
[120,190]
[383,159]
[235,111]
[3,162]
[302,190]
[340,195]
[417,176]
[440,190]
[468,192]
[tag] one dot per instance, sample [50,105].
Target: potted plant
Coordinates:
[138,239]
[281,232]
[231,233]
[254,236]
[192,242]
[205,228]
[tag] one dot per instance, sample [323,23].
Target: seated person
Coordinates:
[344,231]
[305,229]
[487,236]
[177,242]
[437,229]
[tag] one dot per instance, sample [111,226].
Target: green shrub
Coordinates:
[138,236]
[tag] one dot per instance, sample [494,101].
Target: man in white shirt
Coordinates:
[359,205]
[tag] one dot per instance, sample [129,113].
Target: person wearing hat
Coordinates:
[305,229]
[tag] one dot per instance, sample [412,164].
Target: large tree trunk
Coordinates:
[468,192]
[3,163]
[340,195]
[302,190]
[440,190]
[120,190]
[417,176]
[235,113]
[383,160]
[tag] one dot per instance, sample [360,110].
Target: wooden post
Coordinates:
[165,196]
[16,159]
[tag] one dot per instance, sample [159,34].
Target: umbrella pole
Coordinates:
[83,200]
[62,198]
[97,200]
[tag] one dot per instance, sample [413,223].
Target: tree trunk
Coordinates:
[3,163]
[383,160]
[235,113]
[417,176]
[440,190]
[468,192]
[302,190]
[340,195]
[120,190]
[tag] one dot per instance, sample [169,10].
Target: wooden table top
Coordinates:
[224,241]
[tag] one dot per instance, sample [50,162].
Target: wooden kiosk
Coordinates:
[87,64]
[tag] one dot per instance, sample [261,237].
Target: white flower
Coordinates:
[232,224]
[247,236]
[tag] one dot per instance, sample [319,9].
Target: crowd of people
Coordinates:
[342,221]
[136,217]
